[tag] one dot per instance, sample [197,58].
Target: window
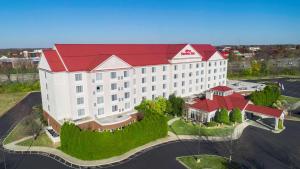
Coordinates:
[175,67]
[143,80]
[202,72]
[79,89]
[99,88]
[215,63]
[143,70]
[164,95]
[126,84]
[78,77]
[153,97]
[209,64]
[127,105]
[191,66]
[114,108]
[190,74]
[215,70]
[98,76]
[80,112]
[114,97]
[164,68]
[182,83]
[164,77]
[215,77]
[153,69]
[208,78]
[113,75]
[197,73]
[113,86]
[202,64]
[143,89]
[183,75]
[80,100]
[126,74]
[197,81]
[175,84]
[127,95]
[153,78]
[153,88]
[175,76]
[197,65]
[100,111]
[164,86]
[100,100]
[209,71]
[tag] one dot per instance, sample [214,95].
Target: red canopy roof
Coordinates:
[221,88]
[85,57]
[264,110]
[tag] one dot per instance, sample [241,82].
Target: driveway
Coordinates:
[256,148]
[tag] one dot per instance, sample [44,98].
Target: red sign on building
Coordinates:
[188,52]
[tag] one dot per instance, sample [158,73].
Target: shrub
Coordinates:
[91,145]
[222,116]
[177,105]
[266,97]
[211,124]
[236,115]
[280,124]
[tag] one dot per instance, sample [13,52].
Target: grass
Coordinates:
[181,127]
[41,140]
[23,129]
[262,77]
[169,117]
[8,100]
[207,161]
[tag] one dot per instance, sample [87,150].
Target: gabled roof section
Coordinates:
[113,62]
[205,50]
[53,60]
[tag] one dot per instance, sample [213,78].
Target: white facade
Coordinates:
[115,87]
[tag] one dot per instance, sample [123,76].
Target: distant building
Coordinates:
[254,49]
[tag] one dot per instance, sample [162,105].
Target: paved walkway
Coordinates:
[170,138]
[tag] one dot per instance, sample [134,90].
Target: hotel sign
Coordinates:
[187,52]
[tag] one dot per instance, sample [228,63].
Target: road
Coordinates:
[256,148]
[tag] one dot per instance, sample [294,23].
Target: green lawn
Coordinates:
[261,77]
[181,127]
[207,161]
[8,100]
[41,140]
[23,129]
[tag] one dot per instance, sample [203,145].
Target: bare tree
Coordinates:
[6,69]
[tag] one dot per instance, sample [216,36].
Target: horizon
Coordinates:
[220,23]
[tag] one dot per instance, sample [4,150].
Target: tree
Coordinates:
[266,97]
[7,70]
[177,105]
[222,116]
[255,66]
[280,124]
[236,115]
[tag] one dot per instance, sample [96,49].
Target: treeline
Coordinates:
[266,97]
[93,145]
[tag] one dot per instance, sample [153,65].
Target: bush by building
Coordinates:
[266,97]
[280,124]
[177,105]
[92,145]
[222,116]
[236,115]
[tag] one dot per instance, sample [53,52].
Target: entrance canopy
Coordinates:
[267,111]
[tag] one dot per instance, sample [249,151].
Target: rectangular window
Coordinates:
[114,108]
[80,100]
[164,77]
[209,71]
[78,77]
[175,84]
[99,88]
[153,78]
[190,74]
[113,86]
[175,76]
[126,84]
[164,68]
[164,86]
[197,81]
[164,95]
[127,95]
[114,97]
[183,75]
[182,83]
[202,72]
[113,75]
[100,111]
[143,70]
[202,64]
[126,74]
[80,112]
[153,69]
[215,70]
[98,76]
[191,66]
[100,100]
[127,105]
[209,64]
[143,80]
[197,65]
[197,73]
[175,67]
[144,89]
[79,89]
[153,88]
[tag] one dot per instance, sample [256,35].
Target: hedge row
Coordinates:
[19,87]
[93,145]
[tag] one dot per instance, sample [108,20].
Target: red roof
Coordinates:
[85,57]
[264,110]
[221,88]
[230,102]
[53,60]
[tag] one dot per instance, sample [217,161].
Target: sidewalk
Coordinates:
[170,138]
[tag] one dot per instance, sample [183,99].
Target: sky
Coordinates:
[42,23]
